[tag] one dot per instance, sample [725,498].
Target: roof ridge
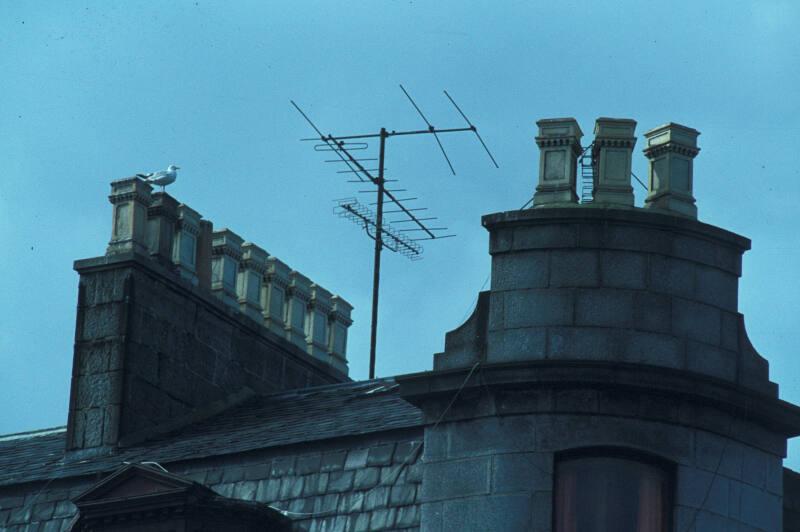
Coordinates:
[32,433]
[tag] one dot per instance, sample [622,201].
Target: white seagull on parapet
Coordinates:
[162,178]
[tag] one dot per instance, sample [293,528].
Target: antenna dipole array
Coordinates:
[374,224]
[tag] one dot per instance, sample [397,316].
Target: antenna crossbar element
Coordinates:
[374,224]
[431,129]
[473,128]
[351,209]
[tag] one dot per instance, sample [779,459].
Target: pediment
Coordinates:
[135,480]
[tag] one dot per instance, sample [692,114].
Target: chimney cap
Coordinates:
[614,127]
[672,133]
[559,127]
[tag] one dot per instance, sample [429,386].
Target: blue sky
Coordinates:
[96,91]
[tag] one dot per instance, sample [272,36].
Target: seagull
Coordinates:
[162,178]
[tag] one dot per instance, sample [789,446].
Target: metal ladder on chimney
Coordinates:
[587,174]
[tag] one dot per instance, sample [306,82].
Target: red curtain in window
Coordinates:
[610,494]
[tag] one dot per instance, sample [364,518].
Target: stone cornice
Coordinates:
[589,214]
[133,195]
[341,318]
[190,228]
[550,142]
[671,147]
[772,413]
[614,142]
[223,249]
[254,265]
[273,278]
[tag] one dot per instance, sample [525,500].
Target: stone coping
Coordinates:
[596,213]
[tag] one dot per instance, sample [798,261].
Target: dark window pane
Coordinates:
[606,494]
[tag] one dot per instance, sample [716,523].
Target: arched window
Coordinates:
[611,490]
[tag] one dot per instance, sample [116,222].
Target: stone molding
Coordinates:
[671,147]
[691,395]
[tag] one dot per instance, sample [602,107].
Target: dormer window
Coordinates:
[612,491]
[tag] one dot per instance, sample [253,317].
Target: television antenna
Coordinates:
[374,224]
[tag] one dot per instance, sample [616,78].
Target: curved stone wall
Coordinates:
[614,285]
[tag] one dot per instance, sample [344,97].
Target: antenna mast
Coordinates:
[374,225]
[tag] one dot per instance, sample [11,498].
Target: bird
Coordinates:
[162,178]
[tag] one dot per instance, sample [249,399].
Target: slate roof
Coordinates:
[286,418]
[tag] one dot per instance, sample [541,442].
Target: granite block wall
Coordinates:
[496,473]
[151,348]
[612,285]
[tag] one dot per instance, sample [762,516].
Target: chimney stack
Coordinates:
[251,273]
[611,157]
[184,254]
[162,217]
[671,149]
[559,142]
[131,198]
[227,252]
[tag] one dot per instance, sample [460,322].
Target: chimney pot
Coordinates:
[611,157]
[559,142]
[248,283]
[227,252]
[131,198]
[671,149]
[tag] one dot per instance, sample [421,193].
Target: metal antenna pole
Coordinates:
[376,276]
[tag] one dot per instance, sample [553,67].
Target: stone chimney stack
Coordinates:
[671,149]
[177,319]
[559,142]
[613,146]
